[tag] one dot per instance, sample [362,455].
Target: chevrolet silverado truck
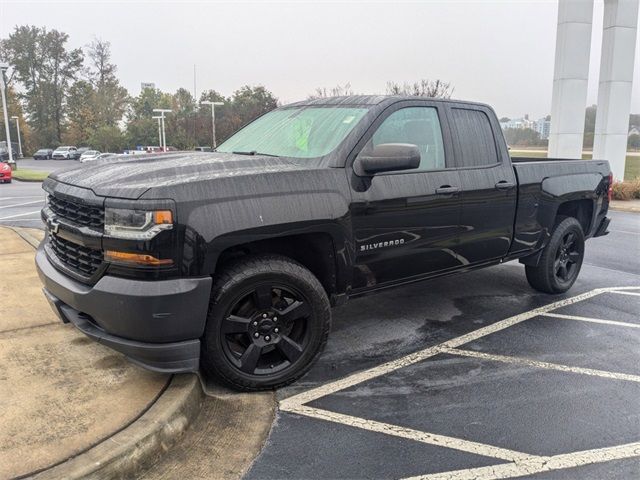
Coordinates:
[230,261]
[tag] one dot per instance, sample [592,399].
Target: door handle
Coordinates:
[447,190]
[504,185]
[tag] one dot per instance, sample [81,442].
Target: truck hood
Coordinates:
[130,176]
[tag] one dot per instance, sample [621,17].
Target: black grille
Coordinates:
[83,260]
[85,215]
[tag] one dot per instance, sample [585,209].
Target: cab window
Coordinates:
[418,126]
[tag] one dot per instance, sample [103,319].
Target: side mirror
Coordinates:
[389,157]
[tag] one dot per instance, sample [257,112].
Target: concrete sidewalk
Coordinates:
[60,392]
[71,408]
[626,205]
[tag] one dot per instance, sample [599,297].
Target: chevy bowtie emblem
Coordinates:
[53,226]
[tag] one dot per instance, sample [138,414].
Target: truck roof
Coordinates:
[370,100]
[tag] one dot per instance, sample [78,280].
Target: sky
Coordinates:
[498,52]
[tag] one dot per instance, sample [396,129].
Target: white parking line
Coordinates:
[20,215]
[629,293]
[22,204]
[411,434]
[359,377]
[520,463]
[535,465]
[591,320]
[625,231]
[537,364]
[22,196]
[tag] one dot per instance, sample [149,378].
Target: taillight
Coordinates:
[610,191]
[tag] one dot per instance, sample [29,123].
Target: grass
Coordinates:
[631,169]
[29,175]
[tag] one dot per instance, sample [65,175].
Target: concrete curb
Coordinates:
[135,448]
[26,180]
[26,236]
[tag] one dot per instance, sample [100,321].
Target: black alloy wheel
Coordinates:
[561,259]
[568,256]
[266,329]
[268,321]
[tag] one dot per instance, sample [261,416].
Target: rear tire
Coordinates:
[561,259]
[268,321]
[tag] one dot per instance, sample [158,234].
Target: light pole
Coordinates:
[213,118]
[19,139]
[159,118]
[3,67]
[162,111]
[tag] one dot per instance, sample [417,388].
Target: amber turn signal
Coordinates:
[162,216]
[136,258]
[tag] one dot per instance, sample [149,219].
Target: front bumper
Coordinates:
[157,324]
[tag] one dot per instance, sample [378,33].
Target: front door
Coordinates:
[406,224]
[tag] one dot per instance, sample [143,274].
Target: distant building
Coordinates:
[542,126]
[633,131]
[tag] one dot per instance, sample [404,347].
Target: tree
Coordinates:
[110,99]
[337,91]
[107,138]
[81,113]
[633,142]
[14,108]
[421,88]
[245,105]
[45,68]
[524,137]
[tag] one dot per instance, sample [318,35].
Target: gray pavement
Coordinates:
[20,204]
[514,393]
[45,165]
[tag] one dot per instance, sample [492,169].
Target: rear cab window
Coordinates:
[474,139]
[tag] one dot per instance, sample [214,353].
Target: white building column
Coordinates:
[616,77]
[570,77]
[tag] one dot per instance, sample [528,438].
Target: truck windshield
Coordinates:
[301,132]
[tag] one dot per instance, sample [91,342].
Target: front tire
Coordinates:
[268,321]
[561,259]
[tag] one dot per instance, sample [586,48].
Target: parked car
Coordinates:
[43,154]
[89,155]
[136,152]
[64,153]
[80,151]
[152,149]
[203,149]
[5,172]
[4,151]
[233,265]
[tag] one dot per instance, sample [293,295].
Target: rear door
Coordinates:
[488,184]
[406,223]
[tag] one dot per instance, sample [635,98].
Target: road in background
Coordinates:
[21,202]
[46,165]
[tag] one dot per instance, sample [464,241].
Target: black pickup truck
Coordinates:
[230,261]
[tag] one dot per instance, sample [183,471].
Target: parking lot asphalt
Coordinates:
[476,376]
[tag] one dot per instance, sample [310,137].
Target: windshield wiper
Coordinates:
[253,153]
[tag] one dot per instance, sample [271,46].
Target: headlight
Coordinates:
[136,224]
